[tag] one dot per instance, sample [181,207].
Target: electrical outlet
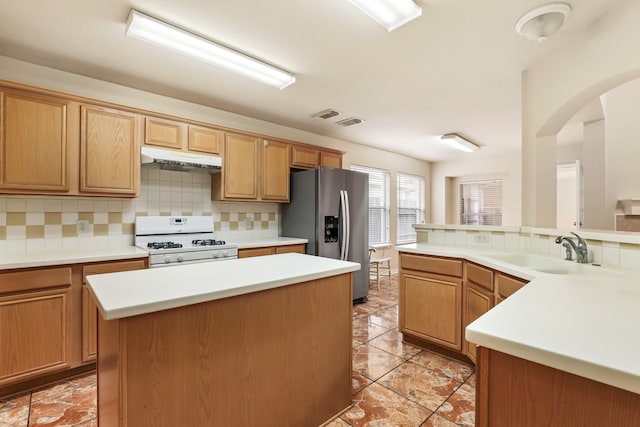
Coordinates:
[248,223]
[82,226]
[483,237]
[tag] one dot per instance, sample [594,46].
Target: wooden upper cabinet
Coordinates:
[304,157]
[331,159]
[275,171]
[109,152]
[205,140]
[240,168]
[165,133]
[34,148]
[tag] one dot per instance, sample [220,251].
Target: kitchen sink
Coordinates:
[545,264]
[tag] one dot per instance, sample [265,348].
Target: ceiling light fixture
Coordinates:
[154,31]
[542,22]
[456,141]
[391,14]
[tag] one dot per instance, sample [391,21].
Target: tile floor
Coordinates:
[394,384]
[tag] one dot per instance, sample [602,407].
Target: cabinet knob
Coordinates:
[265,142]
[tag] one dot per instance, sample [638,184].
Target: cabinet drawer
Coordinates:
[508,285]
[479,275]
[290,248]
[35,279]
[444,266]
[138,264]
[248,253]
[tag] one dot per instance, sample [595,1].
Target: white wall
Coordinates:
[581,67]
[506,167]
[622,129]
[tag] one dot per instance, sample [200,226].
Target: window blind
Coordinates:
[378,204]
[410,193]
[481,202]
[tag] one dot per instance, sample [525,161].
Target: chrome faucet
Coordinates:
[582,254]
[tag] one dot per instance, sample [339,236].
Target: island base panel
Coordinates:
[515,392]
[276,357]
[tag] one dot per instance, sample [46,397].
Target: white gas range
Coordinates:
[176,240]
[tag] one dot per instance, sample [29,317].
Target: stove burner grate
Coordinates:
[163,245]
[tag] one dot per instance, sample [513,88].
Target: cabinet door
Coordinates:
[304,157]
[165,133]
[109,154]
[476,303]
[431,308]
[333,160]
[34,334]
[205,140]
[240,167]
[33,142]
[89,309]
[275,171]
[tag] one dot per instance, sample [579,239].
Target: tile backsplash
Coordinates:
[36,223]
[601,250]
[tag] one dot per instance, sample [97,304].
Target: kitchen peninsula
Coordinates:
[559,351]
[256,341]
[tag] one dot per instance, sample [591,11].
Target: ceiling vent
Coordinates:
[350,122]
[326,114]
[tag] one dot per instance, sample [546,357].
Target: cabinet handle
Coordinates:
[265,142]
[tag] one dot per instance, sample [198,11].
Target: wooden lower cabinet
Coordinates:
[478,298]
[270,250]
[89,309]
[512,391]
[431,308]
[35,324]
[280,357]
[476,302]
[439,297]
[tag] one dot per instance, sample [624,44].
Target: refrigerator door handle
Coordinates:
[343,223]
[348,222]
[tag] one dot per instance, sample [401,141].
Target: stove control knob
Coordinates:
[167,259]
[216,255]
[225,254]
[180,258]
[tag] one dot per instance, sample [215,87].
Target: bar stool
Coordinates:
[377,264]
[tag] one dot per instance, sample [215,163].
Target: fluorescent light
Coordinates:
[456,141]
[391,14]
[151,30]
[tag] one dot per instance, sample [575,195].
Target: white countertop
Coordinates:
[585,324]
[269,241]
[132,293]
[75,256]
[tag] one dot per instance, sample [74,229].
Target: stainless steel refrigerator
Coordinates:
[330,208]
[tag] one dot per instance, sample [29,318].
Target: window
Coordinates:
[481,202]
[410,206]
[378,204]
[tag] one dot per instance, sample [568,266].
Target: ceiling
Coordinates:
[456,68]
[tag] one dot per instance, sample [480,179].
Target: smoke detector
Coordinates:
[350,122]
[326,114]
[542,22]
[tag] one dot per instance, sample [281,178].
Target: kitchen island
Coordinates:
[256,341]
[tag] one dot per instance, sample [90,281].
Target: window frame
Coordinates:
[402,236]
[383,219]
[485,214]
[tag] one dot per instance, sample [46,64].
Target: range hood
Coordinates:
[180,161]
